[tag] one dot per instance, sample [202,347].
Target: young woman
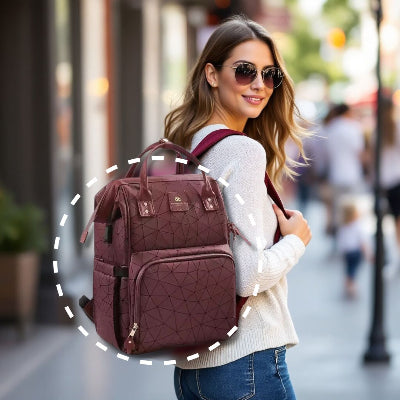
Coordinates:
[240,83]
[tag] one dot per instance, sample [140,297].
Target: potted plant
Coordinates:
[22,239]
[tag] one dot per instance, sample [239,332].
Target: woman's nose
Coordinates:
[258,83]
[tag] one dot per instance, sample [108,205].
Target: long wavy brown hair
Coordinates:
[272,128]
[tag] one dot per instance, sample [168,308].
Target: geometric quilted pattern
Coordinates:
[195,227]
[181,284]
[117,252]
[184,302]
[111,305]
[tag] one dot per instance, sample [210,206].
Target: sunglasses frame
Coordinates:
[262,72]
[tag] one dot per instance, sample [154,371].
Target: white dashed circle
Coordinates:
[71,315]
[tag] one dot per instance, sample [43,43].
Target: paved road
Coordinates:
[61,364]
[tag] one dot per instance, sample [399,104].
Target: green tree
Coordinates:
[339,13]
[302,52]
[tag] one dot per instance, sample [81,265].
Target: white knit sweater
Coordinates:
[241,161]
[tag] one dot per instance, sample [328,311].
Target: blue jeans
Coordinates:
[353,260]
[261,375]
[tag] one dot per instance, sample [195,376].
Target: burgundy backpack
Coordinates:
[164,275]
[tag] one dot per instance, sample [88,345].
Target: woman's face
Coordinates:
[235,103]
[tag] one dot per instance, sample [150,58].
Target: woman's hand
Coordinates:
[296,224]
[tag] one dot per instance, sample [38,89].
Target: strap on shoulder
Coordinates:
[209,141]
[215,137]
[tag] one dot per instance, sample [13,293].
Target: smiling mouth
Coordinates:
[253,100]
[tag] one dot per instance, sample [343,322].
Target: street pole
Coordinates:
[376,351]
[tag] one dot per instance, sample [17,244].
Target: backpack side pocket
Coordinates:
[111,306]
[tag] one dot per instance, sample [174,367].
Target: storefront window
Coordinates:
[174,55]
[95,89]
[63,157]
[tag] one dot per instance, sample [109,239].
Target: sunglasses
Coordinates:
[246,73]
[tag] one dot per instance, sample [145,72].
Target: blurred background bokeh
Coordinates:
[85,86]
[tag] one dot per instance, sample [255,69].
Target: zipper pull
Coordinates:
[129,343]
[235,232]
[233,229]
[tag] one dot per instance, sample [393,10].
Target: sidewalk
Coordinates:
[62,364]
[328,362]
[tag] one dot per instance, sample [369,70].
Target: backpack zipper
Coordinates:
[129,343]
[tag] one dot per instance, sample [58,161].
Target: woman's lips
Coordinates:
[255,100]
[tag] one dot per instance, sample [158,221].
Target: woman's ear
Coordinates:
[211,75]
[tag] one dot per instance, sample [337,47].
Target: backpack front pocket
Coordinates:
[182,301]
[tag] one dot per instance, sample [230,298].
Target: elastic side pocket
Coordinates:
[111,309]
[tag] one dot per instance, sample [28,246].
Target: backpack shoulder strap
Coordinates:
[215,137]
[209,141]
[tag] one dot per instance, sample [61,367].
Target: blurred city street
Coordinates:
[60,363]
[87,86]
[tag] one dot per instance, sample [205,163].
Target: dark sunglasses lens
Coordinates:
[245,74]
[272,77]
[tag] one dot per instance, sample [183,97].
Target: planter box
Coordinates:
[19,274]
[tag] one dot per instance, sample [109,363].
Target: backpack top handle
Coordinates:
[180,169]
[145,201]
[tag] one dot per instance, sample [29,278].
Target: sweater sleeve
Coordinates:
[261,265]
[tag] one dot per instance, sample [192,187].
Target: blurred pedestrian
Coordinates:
[390,172]
[352,245]
[317,152]
[304,187]
[306,181]
[345,150]
[240,83]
